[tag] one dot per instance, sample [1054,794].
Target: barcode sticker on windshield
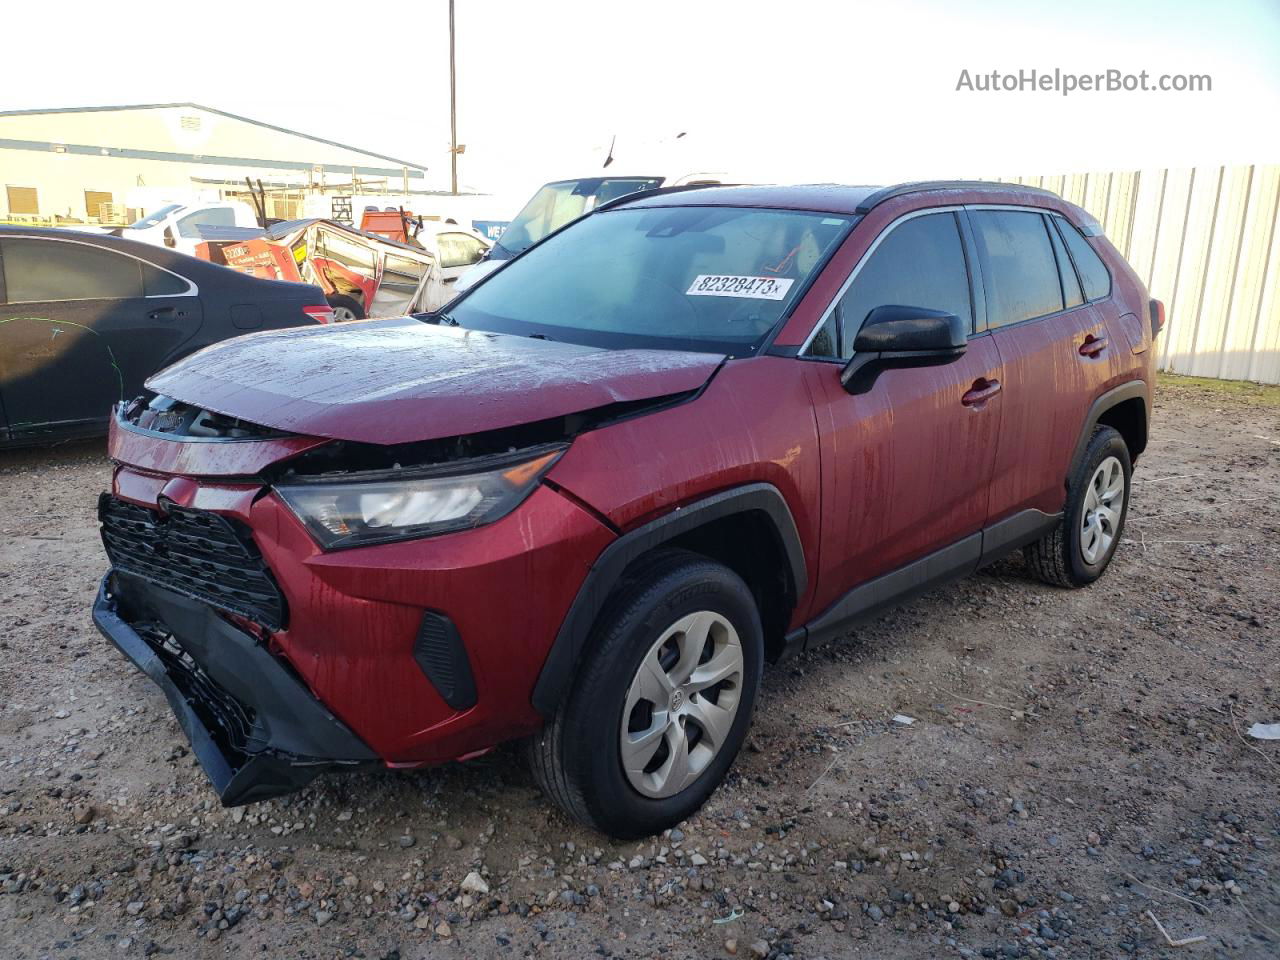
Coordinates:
[757,288]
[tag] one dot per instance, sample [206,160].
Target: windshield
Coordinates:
[690,278]
[557,203]
[153,219]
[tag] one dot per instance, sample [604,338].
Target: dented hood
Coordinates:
[399,380]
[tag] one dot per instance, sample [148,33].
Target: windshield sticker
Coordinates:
[757,288]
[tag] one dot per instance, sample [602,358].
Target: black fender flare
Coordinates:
[571,640]
[1113,397]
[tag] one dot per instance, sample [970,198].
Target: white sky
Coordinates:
[789,91]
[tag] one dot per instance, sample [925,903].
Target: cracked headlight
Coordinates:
[386,505]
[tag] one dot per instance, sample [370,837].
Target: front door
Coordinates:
[906,466]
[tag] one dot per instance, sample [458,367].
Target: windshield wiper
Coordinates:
[444,319]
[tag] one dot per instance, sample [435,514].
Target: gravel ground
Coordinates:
[1076,761]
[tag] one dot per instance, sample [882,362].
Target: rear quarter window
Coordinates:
[1094,276]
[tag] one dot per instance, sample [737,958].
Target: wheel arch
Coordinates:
[1127,409]
[749,529]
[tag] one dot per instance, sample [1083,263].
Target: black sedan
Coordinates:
[86,318]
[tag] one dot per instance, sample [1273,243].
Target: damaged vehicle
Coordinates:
[85,319]
[688,435]
[362,274]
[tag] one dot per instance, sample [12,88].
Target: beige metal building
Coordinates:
[1204,241]
[111,164]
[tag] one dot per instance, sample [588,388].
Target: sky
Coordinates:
[798,91]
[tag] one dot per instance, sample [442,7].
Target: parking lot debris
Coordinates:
[903,720]
[1265,731]
[1184,942]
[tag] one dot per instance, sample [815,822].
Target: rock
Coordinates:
[443,929]
[84,813]
[407,840]
[134,908]
[731,947]
[474,883]
[422,921]
[875,913]
[698,860]
[759,949]
[453,843]
[322,917]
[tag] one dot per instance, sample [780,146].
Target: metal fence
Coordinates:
[1204,241]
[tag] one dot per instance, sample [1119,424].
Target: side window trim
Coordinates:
[1067,269]
[830,311]
[191,291]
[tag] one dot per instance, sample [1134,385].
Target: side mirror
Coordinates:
[169,241]
[895,336]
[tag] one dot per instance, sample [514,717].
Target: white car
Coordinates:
[177,225]
[560,201]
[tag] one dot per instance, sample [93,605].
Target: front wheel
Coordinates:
[662,701]
[1080,548]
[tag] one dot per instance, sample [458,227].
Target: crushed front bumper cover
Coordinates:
[256,729]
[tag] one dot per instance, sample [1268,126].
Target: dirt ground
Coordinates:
[1076,767]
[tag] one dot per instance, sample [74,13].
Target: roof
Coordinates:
[817,197]
[221,113]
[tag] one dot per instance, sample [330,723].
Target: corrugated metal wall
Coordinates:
[1204,241]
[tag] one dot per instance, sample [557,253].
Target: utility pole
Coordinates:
[453,105]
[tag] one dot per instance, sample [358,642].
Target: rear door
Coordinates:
[81,328]
[1053,345]
[906,466]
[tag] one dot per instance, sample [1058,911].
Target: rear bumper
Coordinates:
[256,729]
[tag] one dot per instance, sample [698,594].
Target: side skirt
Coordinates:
[952,562]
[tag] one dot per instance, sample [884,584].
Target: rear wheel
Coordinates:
[1080,548]
[662,701]
[344,309]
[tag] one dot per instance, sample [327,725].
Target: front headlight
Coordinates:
[400,505]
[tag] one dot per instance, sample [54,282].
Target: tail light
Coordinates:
[323,314]
[1157,317]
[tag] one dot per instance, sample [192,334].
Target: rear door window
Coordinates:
[459,249]
[1020,270]
[45,270]
[1093,272]
[920,263]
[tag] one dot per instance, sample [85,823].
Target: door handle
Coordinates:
[162,313]
[1093,346]
[981,391]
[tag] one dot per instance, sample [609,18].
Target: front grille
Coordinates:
[232,724]
[198,554]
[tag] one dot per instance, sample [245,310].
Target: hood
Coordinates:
[400,380]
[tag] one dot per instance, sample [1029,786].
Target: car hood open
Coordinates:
[401,380]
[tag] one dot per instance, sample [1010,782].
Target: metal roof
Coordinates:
[221,113]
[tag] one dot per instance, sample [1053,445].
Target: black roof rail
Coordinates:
[901,189]
[656,192]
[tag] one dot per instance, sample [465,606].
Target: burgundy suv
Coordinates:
[689,433]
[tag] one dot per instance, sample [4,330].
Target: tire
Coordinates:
[578,757]
[340,303]
[1078,551]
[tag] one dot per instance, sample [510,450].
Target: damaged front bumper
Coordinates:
[256,729]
